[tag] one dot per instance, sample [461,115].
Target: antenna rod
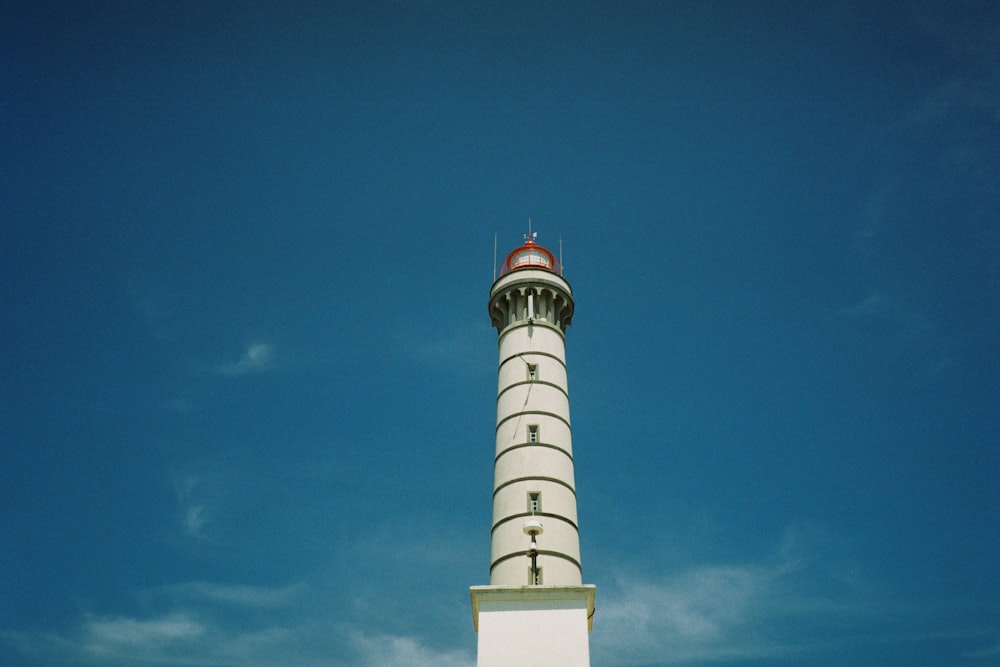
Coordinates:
[534,562]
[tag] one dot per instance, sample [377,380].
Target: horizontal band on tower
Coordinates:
[534,479]
[522,515]
[532,444]
[520,355]
[538,277]
[534,412]
[536,322]
[541,552]
[522,382]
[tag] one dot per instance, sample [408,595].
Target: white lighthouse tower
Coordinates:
[536,612]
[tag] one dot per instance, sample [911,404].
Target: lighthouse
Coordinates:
[536,612]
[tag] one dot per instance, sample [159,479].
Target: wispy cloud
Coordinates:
[257,358]
[902,320]
[804,599]
[871,305]
[238,595]
[704,613]
[793,605]
[193,515]
[178,404]
[390,651]
[104,635]
[992,651]
[313,622]
[157,317]
[167,639]
[243,634]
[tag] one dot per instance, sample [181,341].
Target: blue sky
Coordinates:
[248,377]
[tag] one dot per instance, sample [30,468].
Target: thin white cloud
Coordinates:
[157,317]
[960,92]
[104,635]
[178,404]
[232,594]
[917,339]
[986,652]
[801,601]
[172,638]
[193,514]
[193,636]
[257,358]
[705,613]
[392,651]
[873,304]
[194,519]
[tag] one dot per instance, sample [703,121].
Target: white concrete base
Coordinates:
[533,626]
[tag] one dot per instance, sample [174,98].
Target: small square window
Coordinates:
[535,578]
[532,372]
[534,501]
[533,433]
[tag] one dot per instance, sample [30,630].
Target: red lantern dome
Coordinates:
[530,256]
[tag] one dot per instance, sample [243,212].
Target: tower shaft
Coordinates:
[535,612]
[533,468]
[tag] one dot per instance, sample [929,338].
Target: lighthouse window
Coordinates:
[534,501]
[532,372]
[535,578]
[533,433]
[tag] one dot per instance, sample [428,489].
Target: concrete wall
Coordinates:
[533,626]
